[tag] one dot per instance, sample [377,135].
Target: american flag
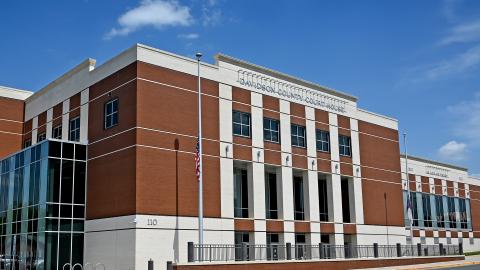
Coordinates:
[197,160]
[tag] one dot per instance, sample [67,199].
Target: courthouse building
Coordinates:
[99,167]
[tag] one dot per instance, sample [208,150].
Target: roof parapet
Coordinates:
[273,73]
[88,64]
[451,166]
[9,92]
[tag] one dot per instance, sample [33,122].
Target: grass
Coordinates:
[472,253]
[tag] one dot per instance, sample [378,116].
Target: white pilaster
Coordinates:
[334,149]
[49,123]
[34,130]
[84,98]
[312,174]
[258,174]
[357,172]
[257,120]
[65,119]
[287,193]
[226,151]
[287,174]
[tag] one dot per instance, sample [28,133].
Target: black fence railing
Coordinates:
[276,252]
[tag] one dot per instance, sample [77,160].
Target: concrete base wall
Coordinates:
[307,265]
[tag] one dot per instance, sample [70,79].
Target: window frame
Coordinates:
[298,136]
[41,137]
[27,143]
[70,129]
[105,115]
[241,124]
[57,127]
[343,146]
[270,130]
[318,140]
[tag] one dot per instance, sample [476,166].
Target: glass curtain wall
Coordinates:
[438,211]
[42,206]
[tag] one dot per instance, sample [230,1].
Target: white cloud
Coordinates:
[466,32]
[449,9]
[189,36]
[155,13]
[453,150]
[467,116]
[211,15]
[458,64]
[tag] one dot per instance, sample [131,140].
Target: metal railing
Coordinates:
[277,252]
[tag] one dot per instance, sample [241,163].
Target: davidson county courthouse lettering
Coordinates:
[101,169]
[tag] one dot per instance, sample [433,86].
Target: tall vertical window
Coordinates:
[323,140]
[298,195]
[241,124]
[271,130]
[57,132]
[241,193]
[41,137]
[111,113]
[74,130]
[345,144]
[298,136]
[271,195]
[323,199]
[414,208]
[439,211]
[452,215]
[463,214]
[345,200]
[427,211]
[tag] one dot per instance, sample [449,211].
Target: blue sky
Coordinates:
[416,61]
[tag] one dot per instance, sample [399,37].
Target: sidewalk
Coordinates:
[470,260]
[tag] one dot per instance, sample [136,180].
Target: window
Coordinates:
[27,143]
[271,196]
[452,215]
[323,140]
[57,132]
[414,209]
[241,193]
[41,137]
[74,134]
[345,144]
[345,186]
[271,130]
[298,136]
[241,124]
[439,211]
[427,211]
[298,198]
[323,199]
[111,113]
[463,214]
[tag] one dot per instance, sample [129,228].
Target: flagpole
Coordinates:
[200,149]
[409,197]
